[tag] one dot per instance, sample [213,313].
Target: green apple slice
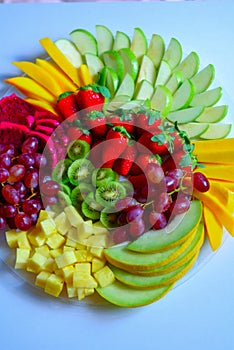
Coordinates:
[119,294]
[130,62]
[95,65]
[162,100]
[104,38]
[144,90]
[183,96]
[147,70]
[217,131]
[70,51]
[114,60]
[173,53]
[194,130]
[174,82]
[203,79]
[213,114]
[109,78]
[156,49]
[84,41]
[121,41]
[189,66]
[164,73]
[207,98]
[186,115]
[127,86]
[117,102]
[139,44]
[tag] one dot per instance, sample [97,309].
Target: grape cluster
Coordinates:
[20,200]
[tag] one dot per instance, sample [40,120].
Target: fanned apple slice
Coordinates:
[164,73]
[127,87]
[189,66]
[121,41]
[162,100]
[109,78]
[144,90]
[114,60]
[203,79]
[84,41]
[173,53]
[213,114]
[147,70]
[194,130]
[186,115]
[183,96]
[70,51]
[117,102]
[139,44]
[207,98]
[130,62]
[174,82]
[95,65]
[104,39]
[217,131]
[156,49]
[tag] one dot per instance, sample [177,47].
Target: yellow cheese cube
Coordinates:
[73,216]
[97,264]
[11,238]
[36,263]
[23,241]
[97,251]
[83,280]
[37,237]
[83,267]
[65,259]
[104,276]
[55,241]
[62,223]
[22,257]
[56,252]
[68,274]
[48,227]
[41,279]
[81,255]
[54,285]
[43,250]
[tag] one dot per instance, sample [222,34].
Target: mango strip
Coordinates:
[31,88]
[60,59]
[84,75]
[215,151]
[222,172]
[213,204]
[223,194]
[213,227]
[42,104]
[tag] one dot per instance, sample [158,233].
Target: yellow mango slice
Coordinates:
[215,151]
[214,145]
[38,74]
[84,75]
[214,228]
[61,60]
[218,208]
[222,172]
[223,194]
[31,88]
[44,105]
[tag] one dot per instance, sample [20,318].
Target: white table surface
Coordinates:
[198,314]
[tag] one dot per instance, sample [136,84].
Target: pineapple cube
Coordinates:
[97,251]
[56,252]
[48,227]
[54,285]
[41,279]
[22,258]
[99,241]
[83,280]
[73,216]
[104,276]
[72,236]
[68,274]
[89,291]
[71,291]
[66,247]
[83,267]
[81,255]
[23,241]
[99,229]
[36,263]
[36,237]
[44,250]
[62,223]
[55,241]
[80,293]
[85,230]
[43,215]
[97,264]
[50,265]
[65,259]
[11,238]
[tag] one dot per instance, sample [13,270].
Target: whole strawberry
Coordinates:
[67,104]
[92,97]
[95,122]
[123,164]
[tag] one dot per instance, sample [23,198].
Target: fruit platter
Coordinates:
[116,153]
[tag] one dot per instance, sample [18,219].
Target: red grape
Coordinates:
[30,145]
[31,178]
[171,183]
[10,150]
[155,173]
[157,220]
[200,181]
[50,188]
[40,160]
[122,218]
[180,205]
[31,206]
[134,213]
[4,174]
[120,235]
[8,211]
[162,203]
[23,221]
[21,188]
[5,161]
[10,194]
[137,228]
[125,203]
[26,159]
[50,200]
[3,223]
[16,172]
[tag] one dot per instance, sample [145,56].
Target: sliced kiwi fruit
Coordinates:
[80,171]
[109,192]
[63,199]
[66,189]
[90,208]
[80,192]
[128,187]
[103,174]
[109,219]
[59,173]
[78,149]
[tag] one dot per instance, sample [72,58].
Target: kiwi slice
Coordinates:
[102,174]
[80,171]
[128,187]
[66,189]
[109,192]
[78,149]
[90,208]
[59,173]
[109,219]
[63,199]
[80,192]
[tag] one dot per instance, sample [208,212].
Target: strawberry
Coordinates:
[75,133]
[142,162]
[117,140]
[96,123]
[121,118]
[92,97]
[147,121]
[67,104]
[157,144]
[123,164]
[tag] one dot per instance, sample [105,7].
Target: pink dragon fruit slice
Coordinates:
[11,133]
[52,123]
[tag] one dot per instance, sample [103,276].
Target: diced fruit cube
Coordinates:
[42,278]
[89,291]
[50,265]
[97,264]
[43,250]
[71,242]
[81,255]
[83,280]
[65,259]
[22,257]
[11,238]
[104,276]
[97,251]
[48,227]
[56,252]
[97,241]
[62,223]
[43,215]
[37,237]
[23,241]
[73,236]
[54,285]
[83,267]
[73,216]
[81,293]
[55,241]
[71,291]
[68,274]
[36,262]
